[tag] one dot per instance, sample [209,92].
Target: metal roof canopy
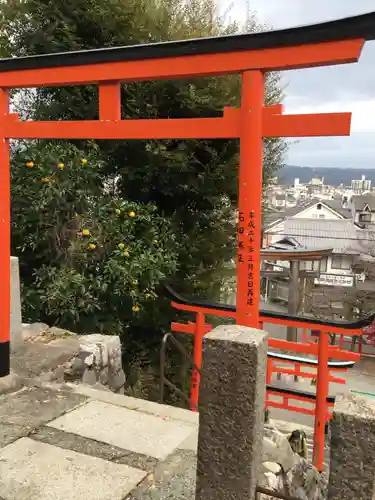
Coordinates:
[302,253]
[341,235]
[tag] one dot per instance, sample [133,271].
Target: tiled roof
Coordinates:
[270,217]
[360,201]
[336,206]
[341,235]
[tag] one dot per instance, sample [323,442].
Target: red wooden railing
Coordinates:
[321,349]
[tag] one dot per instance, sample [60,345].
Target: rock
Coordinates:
[101,355]
[276,448]
[89,377]
[59,353]
[305,482]
[10,383]
[103,376]
[78,365]
[33,330]
[272,467]
[89,360]
[75,369]
[40,332]
[101,387]
[116,380]
[60,332]
[284,471]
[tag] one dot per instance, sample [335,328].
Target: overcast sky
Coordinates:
[338,88]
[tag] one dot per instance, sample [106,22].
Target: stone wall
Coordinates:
[98,361]
[91,359]
[97,358]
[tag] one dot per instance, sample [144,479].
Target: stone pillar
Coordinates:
[352,470]
[15,303]
[231,413]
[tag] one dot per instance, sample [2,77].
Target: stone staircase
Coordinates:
[70,441]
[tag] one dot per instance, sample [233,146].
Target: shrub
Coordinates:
[90,260]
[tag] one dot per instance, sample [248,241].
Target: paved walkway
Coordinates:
[76,442]
[72,441]
[66,441]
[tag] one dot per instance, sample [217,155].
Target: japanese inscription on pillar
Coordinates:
[246,229]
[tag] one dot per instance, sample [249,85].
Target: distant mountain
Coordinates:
[332,176]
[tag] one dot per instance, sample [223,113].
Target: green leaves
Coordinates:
[88,249]
[183,193]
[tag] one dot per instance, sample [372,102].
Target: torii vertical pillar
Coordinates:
[250,199]
[4,238]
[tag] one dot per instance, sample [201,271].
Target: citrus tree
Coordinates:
[194,183]
[86,263]
[91,261]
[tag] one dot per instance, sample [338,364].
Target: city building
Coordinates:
[274,222]
[361,186]
[363,209]
[325,284]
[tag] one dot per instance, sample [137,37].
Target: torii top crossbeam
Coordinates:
[251,55]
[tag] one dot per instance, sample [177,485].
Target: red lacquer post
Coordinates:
[322,387]
[197,358]
[4,238]
[250,199]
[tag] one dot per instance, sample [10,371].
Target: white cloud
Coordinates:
[363,112]
[281,14]
[321,90]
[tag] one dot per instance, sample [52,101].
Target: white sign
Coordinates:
[338,279]
[334,280]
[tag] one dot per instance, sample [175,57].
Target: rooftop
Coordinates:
[363,200]
[341,235]
[336,205]
[270,217]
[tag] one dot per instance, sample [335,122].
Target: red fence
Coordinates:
[321,349]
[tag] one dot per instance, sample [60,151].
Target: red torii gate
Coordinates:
[250,55]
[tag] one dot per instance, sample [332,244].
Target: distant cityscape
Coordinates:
[332,176]
[281,195]
[330,217]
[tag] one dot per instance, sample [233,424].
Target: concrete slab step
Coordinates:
[131,430]
[31,470]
